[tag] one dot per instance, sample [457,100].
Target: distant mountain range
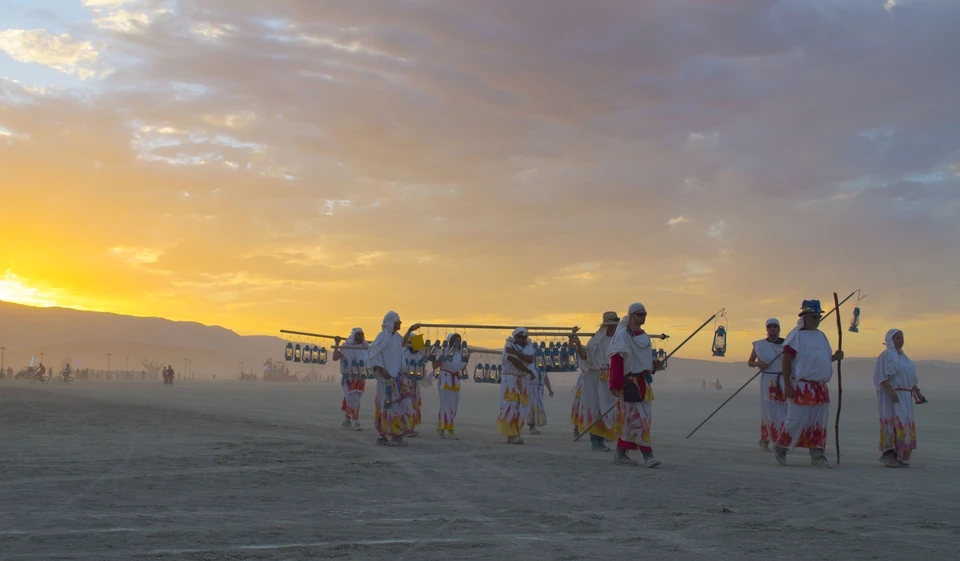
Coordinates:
[87,337]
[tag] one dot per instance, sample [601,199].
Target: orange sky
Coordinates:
[276,165]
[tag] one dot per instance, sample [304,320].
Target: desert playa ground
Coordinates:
[262,471]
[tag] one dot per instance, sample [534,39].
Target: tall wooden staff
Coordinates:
[836,426]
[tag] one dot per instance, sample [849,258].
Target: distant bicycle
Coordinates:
[64,379]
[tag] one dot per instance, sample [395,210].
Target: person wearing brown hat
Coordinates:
[595,396]
[807,368]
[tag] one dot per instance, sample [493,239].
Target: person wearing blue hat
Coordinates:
[807,369]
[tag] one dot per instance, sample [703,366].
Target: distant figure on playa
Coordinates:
[895,378]
[717,384]
[773,403]
[807,368]
[704,384]
[517,361]
[351,382]
[632,367]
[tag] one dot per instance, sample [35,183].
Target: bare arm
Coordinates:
[514,353]
[576,344]
[519,365]
[755,362]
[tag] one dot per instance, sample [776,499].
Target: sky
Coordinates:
[312,165]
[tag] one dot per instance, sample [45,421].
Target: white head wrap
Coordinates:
[772,321]
[520,330]
[891,360]
[353,334]
[386,331]
[450,336]
[892,353]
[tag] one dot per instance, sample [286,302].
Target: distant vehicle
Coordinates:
[277,372]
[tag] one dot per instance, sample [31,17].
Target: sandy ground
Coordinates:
[132,470]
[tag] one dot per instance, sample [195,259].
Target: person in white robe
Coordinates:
[576,392]
[517,361]
[773,403]
[448,386]
[595,396]
[352,383]
[807,368]
[537,416]
[895,378]
[385,358]
[410,389]
[632,367]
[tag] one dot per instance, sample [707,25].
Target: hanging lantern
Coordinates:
[315,354]
[323,355]
[499,373]
[422,368]
[355,369]
[564,358]
[345,367]
[297,353]
[662,355]
[720,342]
[478,373]
[855,321]
[486,372]
[288,353]
[574,360]
[412,370]
[540,358]
[555,355]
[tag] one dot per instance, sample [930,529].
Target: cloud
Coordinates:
[466,159]
[58,51]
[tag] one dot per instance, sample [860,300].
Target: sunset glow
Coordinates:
[267,165]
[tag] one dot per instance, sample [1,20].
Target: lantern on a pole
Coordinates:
[719,346]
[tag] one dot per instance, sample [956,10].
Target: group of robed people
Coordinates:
[613,396]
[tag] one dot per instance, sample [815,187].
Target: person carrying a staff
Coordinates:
[807,368]
[773,403]
[631,377]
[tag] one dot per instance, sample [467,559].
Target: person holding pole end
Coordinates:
[517,361]
[448,386]
[631,374]
[807,368]
[385,357]
[773,404]
[595,397]
[352,385]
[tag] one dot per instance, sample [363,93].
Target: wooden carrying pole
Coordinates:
[496,327]
[304,334]
[662,336]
